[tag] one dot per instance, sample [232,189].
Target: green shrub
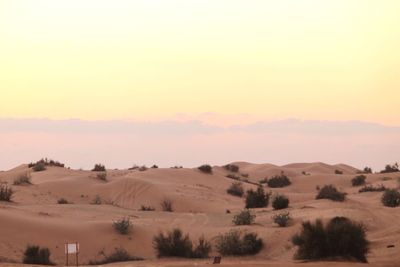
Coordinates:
[175,244]
[102,176]
[237,243]
[245,217]
[279,181]
[330,192]
[119,255]
[391,198]
[23,179]
[282,219]
[62,201]
[236,189]
[39,166]
[6,193]
[35,255]
[205,168]
[257,198]
[358,180]
[232,167]
[147,208]
[371,188]
[99,168]
[340,238]
[122,226]
[166,205]
[280,202]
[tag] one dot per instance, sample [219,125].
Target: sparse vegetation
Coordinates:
[367,170]
[97,200]
[391,198]
[122,225]
[39,166]
[279,181]
[391,168]
[232,167]
[147,208]
[154,166]
[6,192]
[245,175]
[330,192]
[102,176]
[245,217]
[280,202]
[237,243]
[358,180]
[338,172]
[23,179]
[143,168]
[236,189]
[340,238]
[233,176]
[371,188]
[36,255]
[257,198]
[62,201]
[205,169]
[119,255]
[282,219]
[46,162]
[176,244]
[166,205]
[99,168]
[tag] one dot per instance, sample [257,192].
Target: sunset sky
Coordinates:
[141,60]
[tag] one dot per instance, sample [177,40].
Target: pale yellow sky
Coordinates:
[96,59]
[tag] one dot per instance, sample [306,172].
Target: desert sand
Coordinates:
[200,202]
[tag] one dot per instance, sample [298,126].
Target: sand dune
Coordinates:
[200,202]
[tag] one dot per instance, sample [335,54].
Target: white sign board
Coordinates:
[71,248]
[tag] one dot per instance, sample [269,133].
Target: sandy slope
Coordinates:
[200,204]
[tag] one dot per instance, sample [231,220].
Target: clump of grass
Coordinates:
[245,217]
[205,169]
[23,179]
[147,208]
[282,219]
[280,201]
[257,198]
[391,198]
[330,192]
[176,244]
[99,168]
[119,255]
[232,167]
[237,243]
[236,189]
[358,180]
[6,192]
[122,225]
[62,201]
[36,255]
[371,188]
[167,205]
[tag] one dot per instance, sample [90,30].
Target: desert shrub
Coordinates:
[340,238]
[282,219]
[39,166]
[338,172]
[330,192]
[134,167]
[236,189]
[97,200]
[102,176]
[245,217]
[391,198]
[257,198]
[238,243]
[23,179]
[62,201]
[35,255]
[263,181]
[154,166]
[142,168]
[205,168]
[391,168]
[232,167]
[371,188]
[278,181]
[367,170]
[233,176]
[245,175]
[280,202]
[358,180]
[122,225]
[175,244]
[147,208]
[6,192]
[119,255]
[99,168]
[46,162]
[166,205]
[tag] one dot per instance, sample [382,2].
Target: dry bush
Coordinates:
[279,181]
[257,198]
[358,180]
[62,201]
[122,225]
[99,168]
[237,243]
[23,179]
[6,192]
[119,255]
[36,255]
[391,198]
[205,169]
[232,167]
[167,205]
[236,189]
[330,192]
[371,188]
[245,217]
[102,176]
[147,208]
[282,219]
[280,202]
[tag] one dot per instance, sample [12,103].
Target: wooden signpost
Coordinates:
[72,248]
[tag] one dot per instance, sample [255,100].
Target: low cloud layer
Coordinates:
[119,144]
